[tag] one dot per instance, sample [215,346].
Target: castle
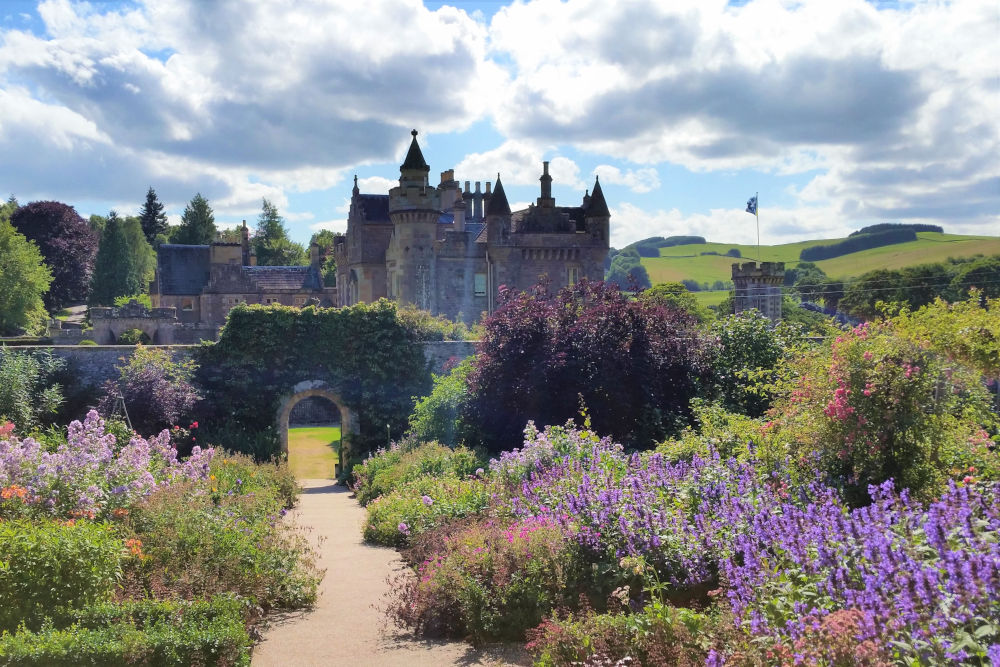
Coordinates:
[448,250]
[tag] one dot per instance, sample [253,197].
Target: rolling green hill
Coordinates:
[685,262]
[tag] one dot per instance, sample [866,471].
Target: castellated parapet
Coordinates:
[759,287]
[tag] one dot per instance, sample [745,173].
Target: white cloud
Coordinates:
[377,185]
[637,180]
[333,225]
[519,163]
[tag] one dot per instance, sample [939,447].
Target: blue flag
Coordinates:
[752,205]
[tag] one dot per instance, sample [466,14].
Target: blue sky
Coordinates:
[839,114]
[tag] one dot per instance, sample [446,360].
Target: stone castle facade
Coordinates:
[448,250]
[204,282]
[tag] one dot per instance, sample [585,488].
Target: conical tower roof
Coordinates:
[598,207]
[414,158]
[498,201]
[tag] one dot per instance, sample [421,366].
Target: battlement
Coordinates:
[759,288]
[766,270]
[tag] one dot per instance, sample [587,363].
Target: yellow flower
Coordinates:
[212,477]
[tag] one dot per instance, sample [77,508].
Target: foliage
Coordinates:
[30,392]
[422,504]
[271,242]
[748,348]
[126,299]
[92,474]
[197,223]
[634,365]
[152,219]
[24,280]
[874,406]
[886,226]
[438,416]
[326,240]
[676,296]
[430,327]
[133,337]
[386,470]
[730,434]
[365,352]
[855,243]
[67,244]
[982,275]
[157,390]
[115,273]
[50,568]
[147,632]
[221,533]
[7,208]
[492,580]
[627,272]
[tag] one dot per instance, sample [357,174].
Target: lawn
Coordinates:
[686,261]
[313,451]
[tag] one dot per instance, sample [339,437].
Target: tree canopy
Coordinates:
[271,242]
[153,219]
[24,279]
[67,243]
[114,271]
[197,223]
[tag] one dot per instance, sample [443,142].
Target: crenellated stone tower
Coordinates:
[759,287]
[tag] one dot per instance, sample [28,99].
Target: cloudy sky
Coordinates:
[840,113]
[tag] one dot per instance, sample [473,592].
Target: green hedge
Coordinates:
[367,352]
[138,633]
[50,569]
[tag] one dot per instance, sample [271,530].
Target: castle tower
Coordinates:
[414,210]
[597,216]
[498,216]
[759,287]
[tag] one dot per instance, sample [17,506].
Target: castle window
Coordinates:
[574,275]
[480,284]
[187,304]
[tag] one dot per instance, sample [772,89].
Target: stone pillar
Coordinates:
[759,287]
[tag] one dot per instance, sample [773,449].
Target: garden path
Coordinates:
[344,627]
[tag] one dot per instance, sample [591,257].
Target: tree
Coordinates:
[635,365]
[68,245]
[197,223]
[157,390]
[627,272]
[24,279]
[153,219]
[114,270]
[143,255]
[30,392]
[674,295]
[271,242]
[7,208]
[983,274]
[326,240]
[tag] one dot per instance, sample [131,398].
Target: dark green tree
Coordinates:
[271,242]
[143,255]
[153,219]
[7,208]
[326,240]
[24,278]
[114,269]
[197,223]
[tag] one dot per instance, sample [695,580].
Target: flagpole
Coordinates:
[756,214]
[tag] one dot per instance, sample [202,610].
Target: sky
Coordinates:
[838,113]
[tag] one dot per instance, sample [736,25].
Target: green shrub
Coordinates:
[491,580]
[134,337]
[438,416]
[389,469]
[420,505]
[48,569]
[204,538]
[143,299]
[87,341]
[730,434]
[143,633]
[30,394]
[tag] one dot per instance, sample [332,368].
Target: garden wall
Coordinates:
[93,364]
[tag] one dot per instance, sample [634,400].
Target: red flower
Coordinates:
[194,424]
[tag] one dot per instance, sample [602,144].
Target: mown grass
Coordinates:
[685,262]
[313,451]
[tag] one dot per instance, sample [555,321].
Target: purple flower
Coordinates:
[427,500]
[403,528]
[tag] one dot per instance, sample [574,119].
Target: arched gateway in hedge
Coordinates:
[349,425]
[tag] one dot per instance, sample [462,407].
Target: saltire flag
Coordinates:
[752,205]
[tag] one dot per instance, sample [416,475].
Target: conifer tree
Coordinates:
[114,269]
[197,223]
[152,218]
[271,242]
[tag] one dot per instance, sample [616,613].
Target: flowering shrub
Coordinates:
[92,474]
[387,469]
[877,406]
[492,579]
[423,504]
[157,390]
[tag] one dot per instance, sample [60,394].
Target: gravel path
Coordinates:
[345,627]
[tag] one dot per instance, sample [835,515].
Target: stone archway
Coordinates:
[348,418]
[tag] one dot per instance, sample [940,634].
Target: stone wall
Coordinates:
[93,364]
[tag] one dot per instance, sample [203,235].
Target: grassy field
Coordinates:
[686,261]
[313,451]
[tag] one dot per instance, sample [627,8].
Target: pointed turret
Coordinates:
[355,191]
[498,201]
[414,158]
[598,207]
